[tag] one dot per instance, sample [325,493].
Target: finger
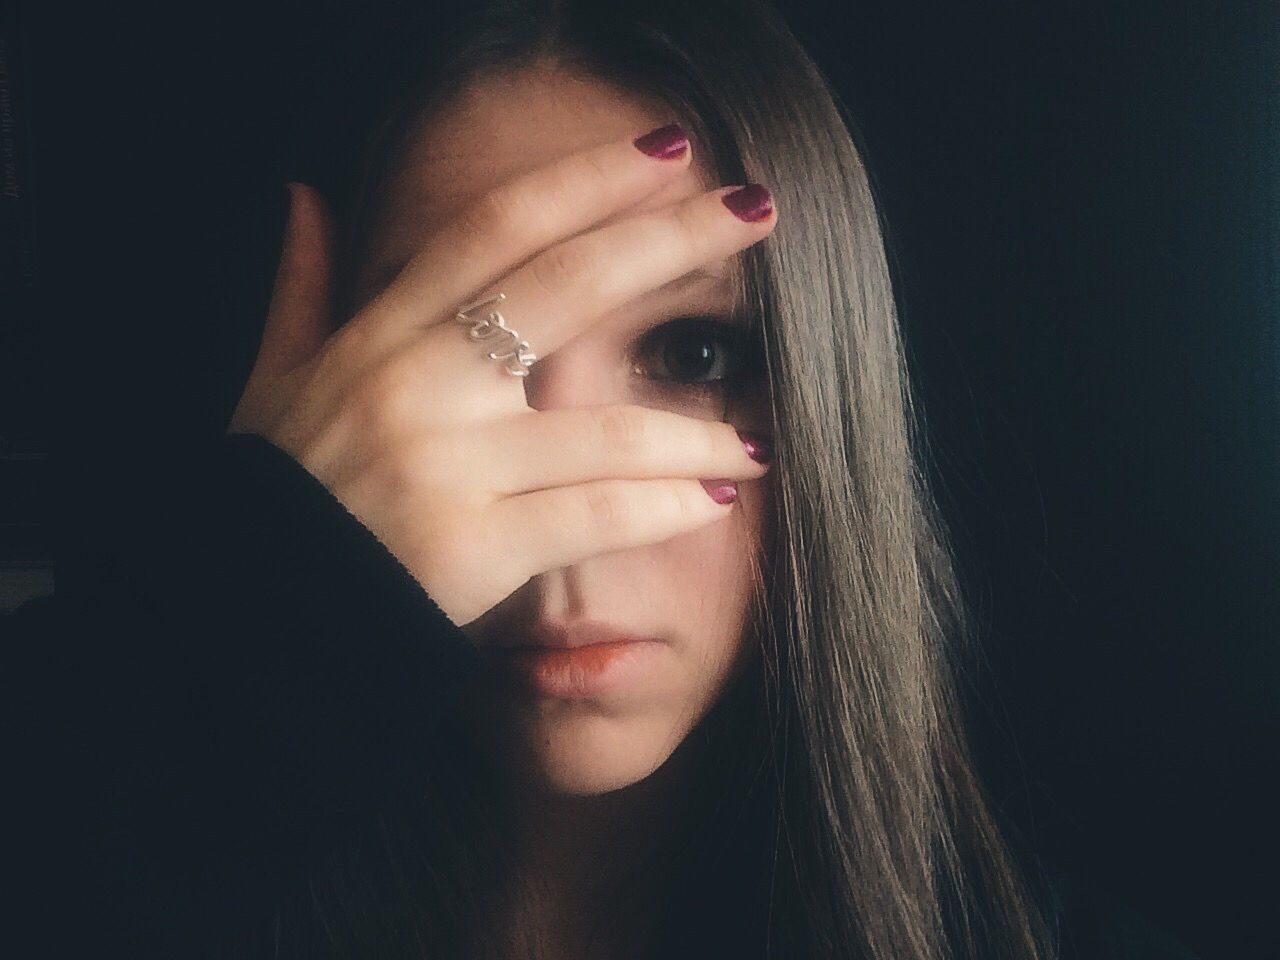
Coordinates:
[624,441]
[298,316]
[505,226]
[559,293]
[565,525]
[299,319]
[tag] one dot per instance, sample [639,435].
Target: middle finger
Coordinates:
[559,293]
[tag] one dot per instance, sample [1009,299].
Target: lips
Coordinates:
[568,636]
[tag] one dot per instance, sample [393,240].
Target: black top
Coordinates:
[184,736]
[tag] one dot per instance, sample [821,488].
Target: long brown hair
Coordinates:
[842,817]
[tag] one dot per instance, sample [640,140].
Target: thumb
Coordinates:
[298,319]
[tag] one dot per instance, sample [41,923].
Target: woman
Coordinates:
[341,719]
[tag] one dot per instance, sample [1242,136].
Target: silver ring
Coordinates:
[518,358]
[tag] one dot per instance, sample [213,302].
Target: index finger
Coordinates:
[510,223]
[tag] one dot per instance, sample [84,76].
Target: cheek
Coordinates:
[708,581]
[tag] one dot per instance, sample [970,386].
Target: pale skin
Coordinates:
[573,493]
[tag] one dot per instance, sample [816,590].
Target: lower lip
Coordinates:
[580,671]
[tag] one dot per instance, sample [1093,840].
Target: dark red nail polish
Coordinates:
[664,143]
[722,491]
[750,203]
[759,449]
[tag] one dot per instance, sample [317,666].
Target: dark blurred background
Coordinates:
[1083,205]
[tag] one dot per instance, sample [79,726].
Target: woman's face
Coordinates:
[691,591]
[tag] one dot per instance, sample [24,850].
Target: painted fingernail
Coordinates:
[722,491]
[664,143]
[750,203]
[758,447]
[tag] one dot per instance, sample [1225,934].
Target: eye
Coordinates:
[697,351]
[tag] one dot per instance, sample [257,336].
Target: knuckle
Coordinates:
[623,427]
[362,410]
[409,464]
[494,212]
[410,468]
[594,170]
[338,363]
[342,348]
[607,505]
[384,398]
[558,269]
[511,212]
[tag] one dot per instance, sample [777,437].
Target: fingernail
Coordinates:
[722,491]
[664,143]
[750,203]
[759,449]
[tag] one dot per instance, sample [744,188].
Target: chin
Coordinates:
[579,751]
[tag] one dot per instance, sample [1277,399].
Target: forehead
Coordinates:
[502,125]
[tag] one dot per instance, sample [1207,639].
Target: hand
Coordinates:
[433,446]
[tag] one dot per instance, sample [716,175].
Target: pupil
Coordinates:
[694,356]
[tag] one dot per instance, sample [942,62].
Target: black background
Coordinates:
[1082,201]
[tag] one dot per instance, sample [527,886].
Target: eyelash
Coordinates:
[740,351]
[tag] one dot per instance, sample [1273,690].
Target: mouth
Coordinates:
[586,671]
[543,635]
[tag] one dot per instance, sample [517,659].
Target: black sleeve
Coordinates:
[249,673]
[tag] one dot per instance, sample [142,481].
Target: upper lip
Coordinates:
[580,633]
